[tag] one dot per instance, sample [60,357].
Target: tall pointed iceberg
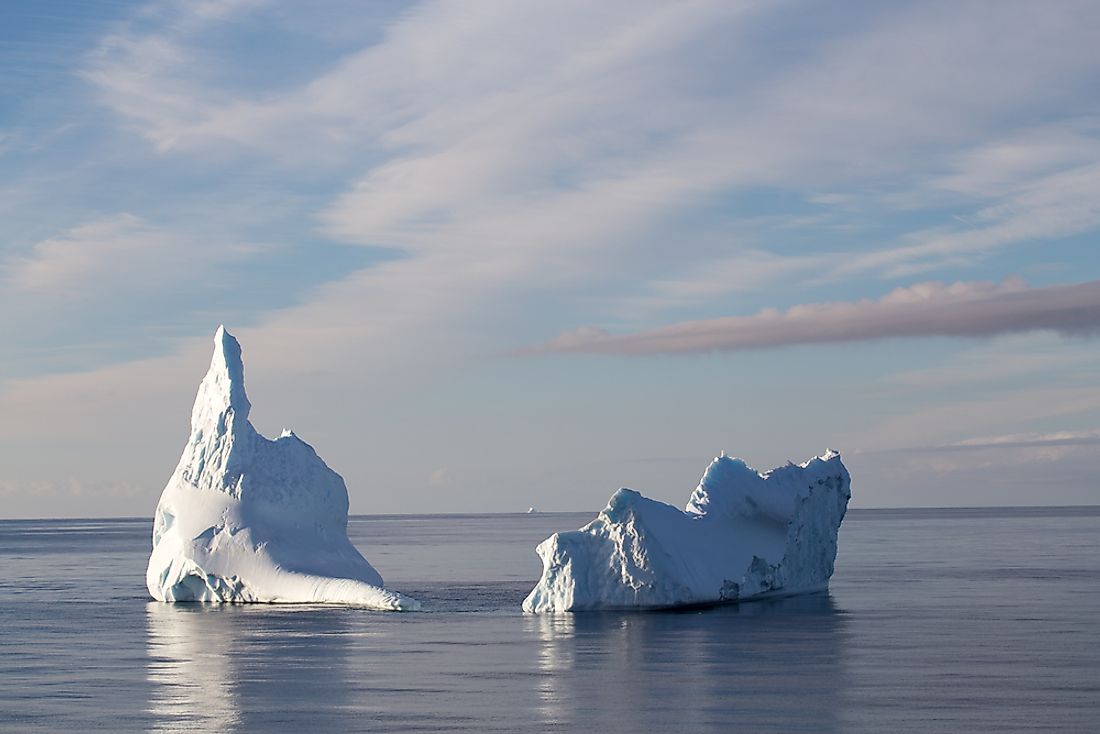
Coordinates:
[247,519]
[743,535]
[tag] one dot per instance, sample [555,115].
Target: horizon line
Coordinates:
[924,508]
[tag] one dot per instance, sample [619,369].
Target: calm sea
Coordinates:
[937,620]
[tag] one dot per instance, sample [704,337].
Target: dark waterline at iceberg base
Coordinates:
[936,620]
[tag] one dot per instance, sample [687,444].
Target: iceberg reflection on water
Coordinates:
[228,668]
[619,671]
[190,669]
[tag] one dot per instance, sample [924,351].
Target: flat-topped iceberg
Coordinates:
[247,519]
[743,535]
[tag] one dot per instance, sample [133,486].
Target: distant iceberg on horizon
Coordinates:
[247,519]
[743,535]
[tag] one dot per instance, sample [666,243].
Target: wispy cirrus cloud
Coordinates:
[122,270]
[1024,188]
[539,154]
[1028,472]
[526,166]
[973,309]
[1004,362]
[1038,208]
[1056,439]
[119,252]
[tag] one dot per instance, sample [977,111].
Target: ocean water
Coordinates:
[936,620]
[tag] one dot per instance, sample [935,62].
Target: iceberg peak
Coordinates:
[221,398]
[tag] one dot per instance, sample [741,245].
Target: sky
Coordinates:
[495,255]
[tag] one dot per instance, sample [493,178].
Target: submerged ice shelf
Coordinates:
[248,519]
[743,535]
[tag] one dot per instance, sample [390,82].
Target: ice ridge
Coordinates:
[743,535]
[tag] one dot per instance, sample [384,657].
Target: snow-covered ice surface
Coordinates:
[743,535]
[247,519]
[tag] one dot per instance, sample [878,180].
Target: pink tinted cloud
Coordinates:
[963,309]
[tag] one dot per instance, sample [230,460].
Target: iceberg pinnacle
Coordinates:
[247,519]
[222,389]
[743,535]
